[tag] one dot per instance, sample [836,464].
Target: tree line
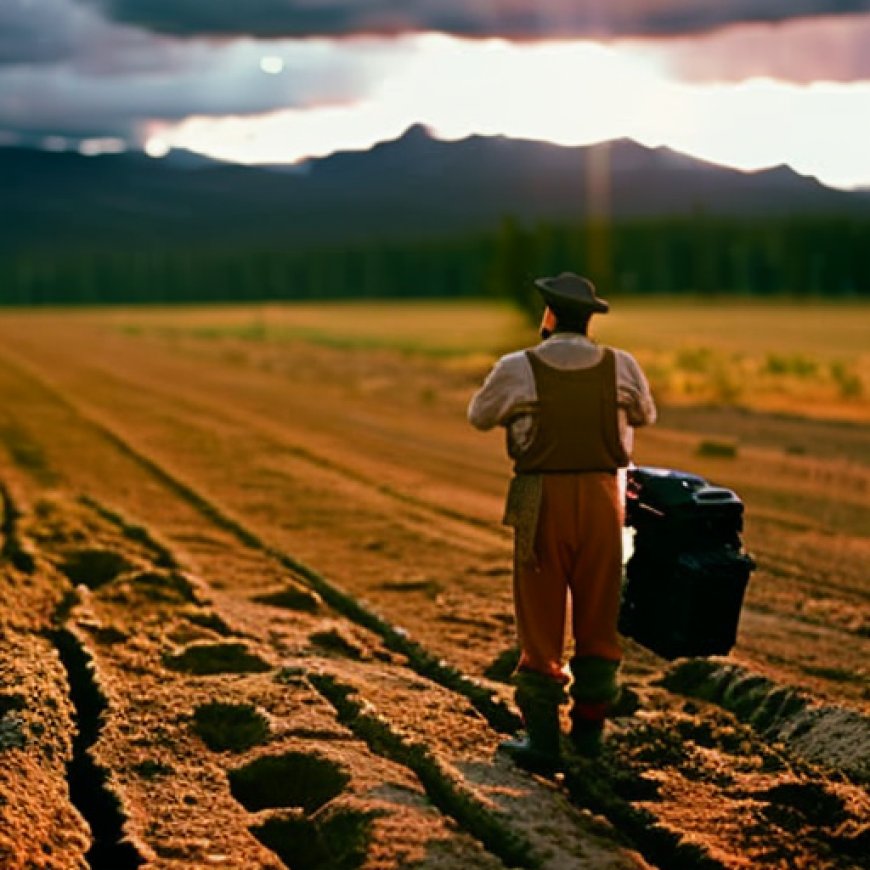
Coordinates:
[810,256]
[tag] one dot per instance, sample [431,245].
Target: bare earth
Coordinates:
[253,595]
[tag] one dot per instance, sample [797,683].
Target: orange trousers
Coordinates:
[578,548]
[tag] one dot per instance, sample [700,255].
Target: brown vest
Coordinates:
[577,426]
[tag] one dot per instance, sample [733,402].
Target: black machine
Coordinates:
[687,575]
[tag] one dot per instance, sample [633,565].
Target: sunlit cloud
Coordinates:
[747,95]
[102,145]
[271,64]
[801,51]
[156,147]
[568,93]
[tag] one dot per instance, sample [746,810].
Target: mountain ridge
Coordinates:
[412,186]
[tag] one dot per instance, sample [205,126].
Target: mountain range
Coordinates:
[414,186]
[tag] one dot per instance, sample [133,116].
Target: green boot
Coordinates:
[538,697]
[593,692]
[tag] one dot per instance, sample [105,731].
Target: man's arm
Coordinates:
[633,392]
[507,389]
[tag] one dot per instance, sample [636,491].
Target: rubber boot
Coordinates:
[593,692]
[538,696]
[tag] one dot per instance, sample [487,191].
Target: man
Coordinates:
[569,407]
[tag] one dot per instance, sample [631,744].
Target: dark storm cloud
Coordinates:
[47,32]
[43,31]
[520,19]
[67,72]
[90,68]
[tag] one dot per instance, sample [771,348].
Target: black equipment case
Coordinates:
[687,575]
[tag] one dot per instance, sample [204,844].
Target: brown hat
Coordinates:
[570,294]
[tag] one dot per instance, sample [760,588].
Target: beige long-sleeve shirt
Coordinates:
[508,394]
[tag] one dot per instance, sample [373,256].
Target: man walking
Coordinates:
[569,407]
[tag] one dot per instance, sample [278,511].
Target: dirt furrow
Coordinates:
[88,789]
[671,845]
[423,515]
[215,644]
[420,659]
[136,656]
[389,435]
[373,566]
[813,609]
[262,405]
[148,667]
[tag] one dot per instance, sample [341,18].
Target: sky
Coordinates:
[746,83]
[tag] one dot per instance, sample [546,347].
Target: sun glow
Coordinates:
[156,147]
[272,64]
[570,93]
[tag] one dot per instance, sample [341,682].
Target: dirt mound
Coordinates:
[834,736]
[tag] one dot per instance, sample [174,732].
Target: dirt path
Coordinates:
[268,597]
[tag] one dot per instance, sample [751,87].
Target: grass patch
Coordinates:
[797,357]
[848,381]
[717,448]
[433,329]
[791,364]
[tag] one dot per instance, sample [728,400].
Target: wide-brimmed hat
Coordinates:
[571,294]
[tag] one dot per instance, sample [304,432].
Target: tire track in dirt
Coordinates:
[445,790]
[87,612]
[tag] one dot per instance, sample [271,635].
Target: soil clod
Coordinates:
[504,664]
[93,567]
[836,737]
[292,598]
[338,643]
[169,586]
[210,620]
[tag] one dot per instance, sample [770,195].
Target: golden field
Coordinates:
[266,540]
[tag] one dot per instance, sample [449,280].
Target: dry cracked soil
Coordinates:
[256,614]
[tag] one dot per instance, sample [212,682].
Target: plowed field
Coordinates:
[256,613]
